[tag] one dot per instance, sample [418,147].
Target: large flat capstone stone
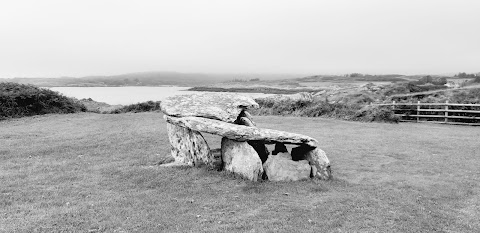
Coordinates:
[240,132]
[220,106]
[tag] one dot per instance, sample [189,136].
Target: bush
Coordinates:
[470,96]
[19,100]
[138,107]
[396,89]
[350,109]
[377,113]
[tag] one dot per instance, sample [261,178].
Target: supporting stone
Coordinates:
[317,159]
[240,158]
[320,164]
[281,167]
[189,147]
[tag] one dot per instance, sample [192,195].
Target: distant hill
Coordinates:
[144,79]
[131,79]
[355,78]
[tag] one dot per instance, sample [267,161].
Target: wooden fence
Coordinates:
[446,113]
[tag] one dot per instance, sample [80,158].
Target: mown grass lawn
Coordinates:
[98,173]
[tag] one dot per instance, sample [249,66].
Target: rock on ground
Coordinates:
[220,106]
[281,167]
[240,158]
[189,147]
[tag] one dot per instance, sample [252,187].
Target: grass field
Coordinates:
[98,173]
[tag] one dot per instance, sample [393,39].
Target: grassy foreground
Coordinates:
[96,173]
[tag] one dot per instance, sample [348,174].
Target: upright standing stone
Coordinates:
[240,158]
[317,159]
[189,146]
[320,164]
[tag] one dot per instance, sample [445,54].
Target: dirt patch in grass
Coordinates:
[98,173]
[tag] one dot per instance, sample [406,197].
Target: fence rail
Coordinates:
[445,113]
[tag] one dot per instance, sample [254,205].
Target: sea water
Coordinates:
[129,95]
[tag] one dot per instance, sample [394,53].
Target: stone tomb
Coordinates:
[243,149]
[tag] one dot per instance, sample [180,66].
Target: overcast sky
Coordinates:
[101,37]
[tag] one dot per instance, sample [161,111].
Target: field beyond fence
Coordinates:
[446,113]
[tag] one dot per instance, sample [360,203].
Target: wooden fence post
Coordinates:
[393,109]
[418,111]
[446,112]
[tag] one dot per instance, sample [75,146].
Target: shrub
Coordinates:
[470,96]
[350,109]
[19,100]
[396,89]
[377,113]
[470,82]
[138,107]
